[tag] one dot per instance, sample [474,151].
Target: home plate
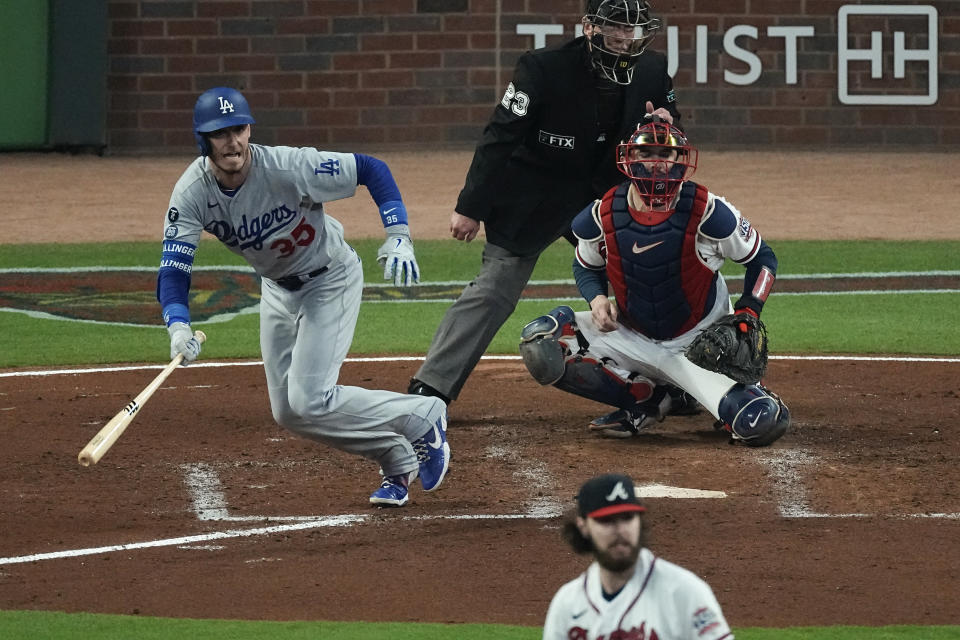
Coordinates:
[663,491]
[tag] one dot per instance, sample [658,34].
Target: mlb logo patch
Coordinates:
[704,620]
[744,228]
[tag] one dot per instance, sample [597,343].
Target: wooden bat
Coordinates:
[105,438]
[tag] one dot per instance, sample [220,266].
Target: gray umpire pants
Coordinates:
[473,320]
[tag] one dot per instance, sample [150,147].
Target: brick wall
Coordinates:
[355,74]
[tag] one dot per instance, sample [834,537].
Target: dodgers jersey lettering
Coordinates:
[276,219]
[661,601]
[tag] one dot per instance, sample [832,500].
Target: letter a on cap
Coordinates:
[618,492]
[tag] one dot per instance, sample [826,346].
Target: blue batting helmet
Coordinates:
[218,108]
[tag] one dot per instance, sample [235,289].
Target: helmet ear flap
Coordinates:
[203,143]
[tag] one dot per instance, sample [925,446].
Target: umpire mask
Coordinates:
[618,32]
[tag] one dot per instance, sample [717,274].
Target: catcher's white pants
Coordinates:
[304,337]
[662,361]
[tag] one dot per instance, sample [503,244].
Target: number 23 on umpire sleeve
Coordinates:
[302,235]
[516,101]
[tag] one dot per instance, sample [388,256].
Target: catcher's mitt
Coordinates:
[735,345]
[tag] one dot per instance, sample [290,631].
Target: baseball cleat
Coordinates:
[392,492]
[433,454]
[626,423]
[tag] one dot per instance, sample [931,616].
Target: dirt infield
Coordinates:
[800,195]
[835,524]
[205,508]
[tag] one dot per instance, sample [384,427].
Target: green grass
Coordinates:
[450,260]
[849,324]
[854,324]
[15,625]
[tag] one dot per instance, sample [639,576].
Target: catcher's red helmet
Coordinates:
[658,158]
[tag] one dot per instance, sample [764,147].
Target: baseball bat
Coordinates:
[105,438]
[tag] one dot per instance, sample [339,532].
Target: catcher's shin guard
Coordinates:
[754,414]
[592,379]
[554,352]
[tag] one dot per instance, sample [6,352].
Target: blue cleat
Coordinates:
[433,454]
[392,491]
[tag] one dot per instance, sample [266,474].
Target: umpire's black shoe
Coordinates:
[419,388]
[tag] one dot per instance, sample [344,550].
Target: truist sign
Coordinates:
[891,62]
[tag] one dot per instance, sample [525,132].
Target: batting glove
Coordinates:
[398,262]
[183,341]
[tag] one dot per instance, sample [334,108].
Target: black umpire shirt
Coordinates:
[548,150]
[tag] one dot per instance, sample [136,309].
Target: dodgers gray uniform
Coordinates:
[276,221]
[661,600]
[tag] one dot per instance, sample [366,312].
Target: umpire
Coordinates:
[547,152]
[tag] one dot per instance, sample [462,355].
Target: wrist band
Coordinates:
[392,213]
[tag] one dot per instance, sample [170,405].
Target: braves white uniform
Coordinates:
[276,221]
[661,601]
[662,360]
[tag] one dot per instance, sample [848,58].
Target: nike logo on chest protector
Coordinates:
[637,249]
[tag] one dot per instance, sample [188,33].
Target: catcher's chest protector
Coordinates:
[662,288]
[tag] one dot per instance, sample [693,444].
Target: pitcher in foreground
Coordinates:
[627,592]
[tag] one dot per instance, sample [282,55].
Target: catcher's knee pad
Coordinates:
[754,414]
[541,348]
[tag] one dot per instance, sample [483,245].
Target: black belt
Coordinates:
[294,283]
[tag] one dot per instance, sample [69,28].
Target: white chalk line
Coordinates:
[259,363]
[535,475]
[785,469]
[314,522]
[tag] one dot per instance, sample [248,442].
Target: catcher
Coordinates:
[658,240]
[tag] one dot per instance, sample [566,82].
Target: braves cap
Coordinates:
[607,495]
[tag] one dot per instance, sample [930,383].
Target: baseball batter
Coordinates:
[266,204]
[658,240]
[627,592]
